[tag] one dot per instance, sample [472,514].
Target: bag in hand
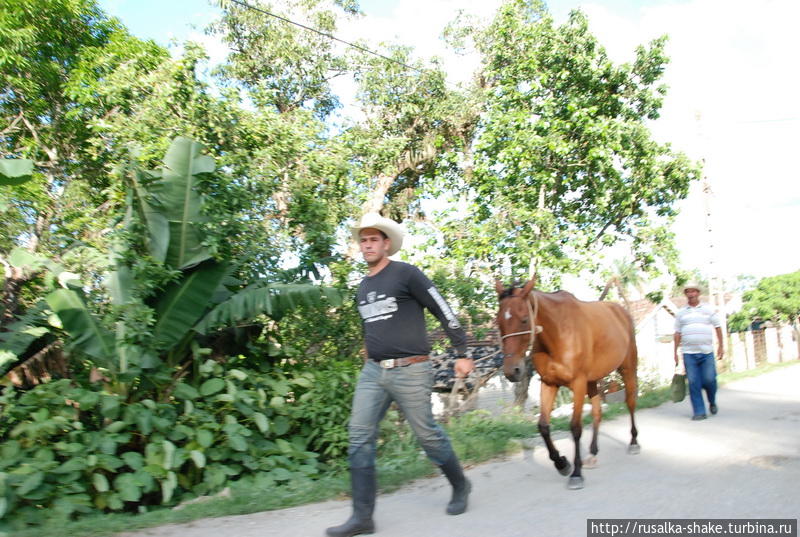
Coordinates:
[678,387]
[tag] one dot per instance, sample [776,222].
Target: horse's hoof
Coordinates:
[590,462]
[566,470]
[575,482]
[634,449]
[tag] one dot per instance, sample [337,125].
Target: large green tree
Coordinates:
[775,299]
[283,65]
[412,118]
[565,164]
[113,99]
[55,91]
[299,173]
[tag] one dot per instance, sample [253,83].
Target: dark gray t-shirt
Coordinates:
[391,306]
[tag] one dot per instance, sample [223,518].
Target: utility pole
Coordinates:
[716,290]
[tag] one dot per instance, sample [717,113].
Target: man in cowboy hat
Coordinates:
[694,324]
[391,299]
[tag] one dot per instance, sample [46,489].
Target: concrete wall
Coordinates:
[773,348]
[739,353]
[655,345]
[789,347]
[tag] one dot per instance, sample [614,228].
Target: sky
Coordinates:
[732,101]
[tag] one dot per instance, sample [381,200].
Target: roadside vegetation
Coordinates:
[477,437]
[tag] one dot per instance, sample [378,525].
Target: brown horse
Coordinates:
[574,344]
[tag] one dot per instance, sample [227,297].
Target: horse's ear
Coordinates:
[498,286]
[528,287]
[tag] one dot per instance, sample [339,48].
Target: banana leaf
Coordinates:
[20,334]
[83,328]
[179,201]
[15,171]
[22,258]
[158,232]
[274,301]
[119,282]
[186,301]
[120,285]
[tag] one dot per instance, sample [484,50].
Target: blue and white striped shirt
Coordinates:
[696,327]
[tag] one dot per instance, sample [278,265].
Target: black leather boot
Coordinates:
[363,485]
[461,486]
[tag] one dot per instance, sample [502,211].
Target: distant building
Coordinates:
[655,327]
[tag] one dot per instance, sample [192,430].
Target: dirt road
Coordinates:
[742,463]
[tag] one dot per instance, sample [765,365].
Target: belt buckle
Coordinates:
[388,364]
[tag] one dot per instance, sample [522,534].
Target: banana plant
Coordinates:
[169,207]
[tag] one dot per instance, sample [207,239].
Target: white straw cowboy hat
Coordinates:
[692,285]
[392,229]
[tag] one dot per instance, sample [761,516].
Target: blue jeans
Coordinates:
[410,387]
[701,374]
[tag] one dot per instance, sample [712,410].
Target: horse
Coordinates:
[571,343]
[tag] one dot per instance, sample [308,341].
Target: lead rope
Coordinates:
[460,382]
[536,328]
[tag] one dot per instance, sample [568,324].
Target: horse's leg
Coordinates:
[594,397]
[628,372]
[547,398]
[576,425]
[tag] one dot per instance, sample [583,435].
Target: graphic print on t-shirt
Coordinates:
[377,307]
[452,321]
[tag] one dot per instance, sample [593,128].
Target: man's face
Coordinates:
[374,246]
[692,295]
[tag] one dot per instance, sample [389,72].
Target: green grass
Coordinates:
[477,437]
[730,376]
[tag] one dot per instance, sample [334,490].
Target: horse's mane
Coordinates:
[509,292]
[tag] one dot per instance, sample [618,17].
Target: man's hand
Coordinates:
[464,367]
[676,359]
[720,352]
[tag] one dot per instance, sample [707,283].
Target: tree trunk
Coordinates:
[623,295]
[606,289]
[15,277]
[377,197]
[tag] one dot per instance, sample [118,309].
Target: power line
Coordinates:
[325,34]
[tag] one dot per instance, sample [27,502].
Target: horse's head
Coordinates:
[516,326]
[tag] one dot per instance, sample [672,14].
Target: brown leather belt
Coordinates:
[402,362]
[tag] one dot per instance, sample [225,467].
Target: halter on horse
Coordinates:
[578,343]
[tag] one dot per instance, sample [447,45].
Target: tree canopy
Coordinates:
[775,299]
[564,163]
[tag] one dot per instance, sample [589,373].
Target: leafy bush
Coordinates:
[67,450]
[326,408]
